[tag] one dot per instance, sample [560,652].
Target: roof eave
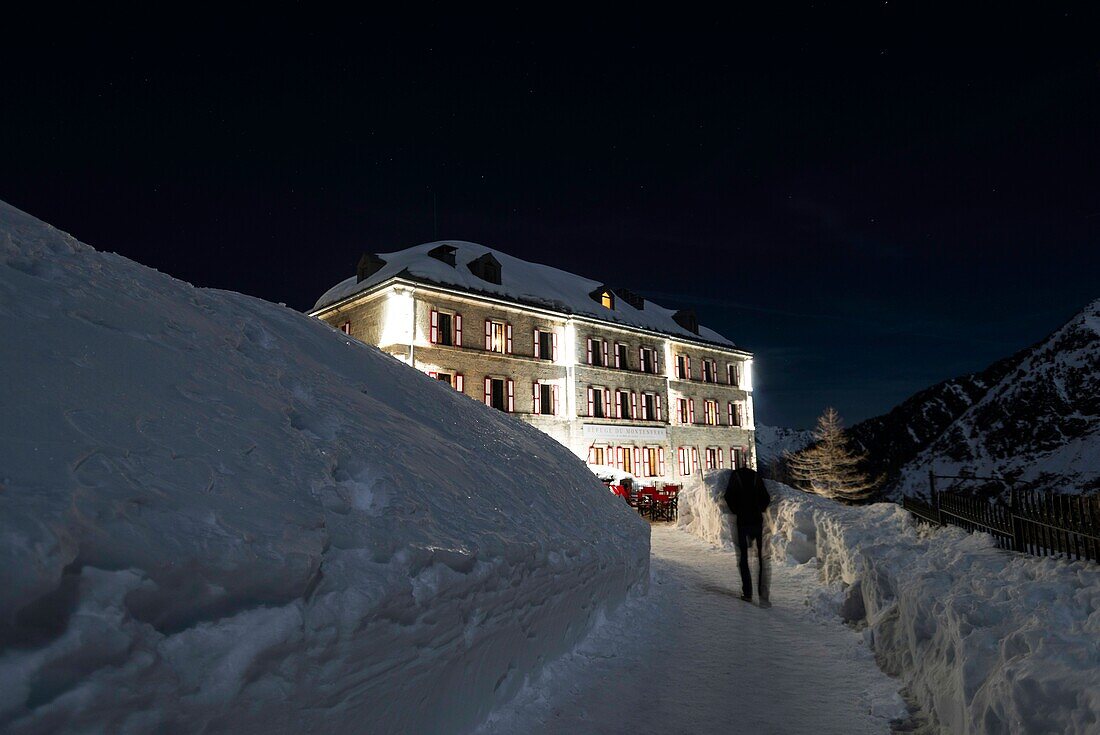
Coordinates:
[406,278]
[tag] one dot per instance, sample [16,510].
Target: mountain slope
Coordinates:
[1032,418]
[219,515]
[773,441]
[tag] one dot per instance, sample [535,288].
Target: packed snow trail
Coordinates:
[691,657]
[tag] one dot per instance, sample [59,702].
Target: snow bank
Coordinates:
[702,508]
[218,514]
[986,640]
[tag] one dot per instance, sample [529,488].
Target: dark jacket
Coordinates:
[746,497]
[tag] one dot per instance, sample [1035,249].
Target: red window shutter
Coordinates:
[488,391]
[536,393]
[537,350]
[458,330]
[661,460]
[488,335]
[694,460]
[618,404]
[733,459]
[687,364]
[633,405]
[460,383]
[618,362]
[604,353]
[721,464]
[714,371]
[433,374]
[591,402]
[508,338]
[606,402]
[641,360]
[637,458]
[554,392]
[346,328]
[554,346]
[676,368]
[681,460]
[745,456]
[435,326]
[511,396]
[589,350]
[658,406]
[729,413]
[691,410]
[645,464]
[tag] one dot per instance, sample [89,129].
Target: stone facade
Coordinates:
[642,425]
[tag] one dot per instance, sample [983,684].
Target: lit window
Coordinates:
[605,300]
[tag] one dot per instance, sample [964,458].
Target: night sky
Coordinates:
[872,199]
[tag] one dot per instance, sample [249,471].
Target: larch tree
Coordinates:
[829,467]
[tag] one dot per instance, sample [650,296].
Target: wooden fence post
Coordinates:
[934,496]
[1017,535]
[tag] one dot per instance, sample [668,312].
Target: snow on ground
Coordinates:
[607,473]
[217,514]
[987,641]
[691,657]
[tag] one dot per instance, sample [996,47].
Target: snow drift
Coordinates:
[219,514]
[986,640]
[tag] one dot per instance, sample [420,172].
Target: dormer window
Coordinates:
[369,264]
[487,268]
[631,298]
[604,297]
[444,254]
[686,318]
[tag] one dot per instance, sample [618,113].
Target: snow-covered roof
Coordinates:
[521,281]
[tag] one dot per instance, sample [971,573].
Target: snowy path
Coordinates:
[693,658]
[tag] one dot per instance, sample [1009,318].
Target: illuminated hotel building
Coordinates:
[616,378]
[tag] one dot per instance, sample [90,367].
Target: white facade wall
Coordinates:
[397,317]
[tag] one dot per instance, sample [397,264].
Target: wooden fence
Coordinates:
[1032,522]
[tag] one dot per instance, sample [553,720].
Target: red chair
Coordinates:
[673,493]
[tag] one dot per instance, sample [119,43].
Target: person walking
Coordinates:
[747,498]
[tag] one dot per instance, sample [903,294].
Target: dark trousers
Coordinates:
[746,534]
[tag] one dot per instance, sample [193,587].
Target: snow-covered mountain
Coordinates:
[220,515]
[773,441]
[1032,418]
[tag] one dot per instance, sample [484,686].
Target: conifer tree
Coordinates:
[829,467]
